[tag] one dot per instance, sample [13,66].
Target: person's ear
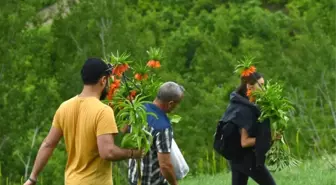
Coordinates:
[103,80]
[248,86]
[171,103]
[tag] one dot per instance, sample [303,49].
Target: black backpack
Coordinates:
[227,140]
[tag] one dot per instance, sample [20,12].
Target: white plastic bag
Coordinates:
[181,167]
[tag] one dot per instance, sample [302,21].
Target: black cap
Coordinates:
[93,69]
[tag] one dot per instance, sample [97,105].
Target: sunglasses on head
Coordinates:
[109,69]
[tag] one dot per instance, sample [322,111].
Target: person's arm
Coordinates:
[109,151]
[167,168]
[245,140]
[45,151]
[47,147]
[106,128]
[243,119]
[163,143]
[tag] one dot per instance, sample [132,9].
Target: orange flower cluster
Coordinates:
[249,92]
[120,69]
[249,95]
[249,71]
[153,64]
[140,77]
[132,95]
[113,87]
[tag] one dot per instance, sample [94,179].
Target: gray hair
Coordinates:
[170,91]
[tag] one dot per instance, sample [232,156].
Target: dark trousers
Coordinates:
[260,175]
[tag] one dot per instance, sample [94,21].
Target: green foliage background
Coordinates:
[293,41]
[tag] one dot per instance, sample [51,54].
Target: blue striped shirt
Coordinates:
[162,133]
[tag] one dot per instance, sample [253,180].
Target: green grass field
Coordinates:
[319,172]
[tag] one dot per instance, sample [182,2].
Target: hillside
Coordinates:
[292,41]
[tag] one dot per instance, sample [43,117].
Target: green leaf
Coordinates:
[175,118]
[129,141]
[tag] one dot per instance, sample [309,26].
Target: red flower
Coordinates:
[145,76]
[249,95]
[153,64]
[118,70]
[114,86]
[249,71]
[124,67]
[132,95]
[116,83]
[252,69]
[140,77]
[157,64]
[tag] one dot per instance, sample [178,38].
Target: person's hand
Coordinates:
[278,136]
[29,182]
[138,154]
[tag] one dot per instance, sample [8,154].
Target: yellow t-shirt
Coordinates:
[81,121]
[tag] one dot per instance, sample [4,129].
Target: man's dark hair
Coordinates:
[93,69]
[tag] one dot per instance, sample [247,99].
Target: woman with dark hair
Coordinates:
[255,137]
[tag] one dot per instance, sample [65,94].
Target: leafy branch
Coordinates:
[274,106]
[155,54]
[246,66]
[128,97]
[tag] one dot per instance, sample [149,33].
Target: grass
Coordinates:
[318,172]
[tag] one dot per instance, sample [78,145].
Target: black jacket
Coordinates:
[245,115]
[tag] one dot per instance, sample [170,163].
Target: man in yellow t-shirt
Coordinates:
[88,127]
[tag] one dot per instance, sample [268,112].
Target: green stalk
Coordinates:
[138,160]
[207,162]
[126,78]
[0,175]
[214,164]
[139,171]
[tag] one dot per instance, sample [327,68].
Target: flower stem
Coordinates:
[127,79]
[139,171]
[138,160]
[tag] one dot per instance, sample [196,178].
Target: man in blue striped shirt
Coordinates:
[157,168]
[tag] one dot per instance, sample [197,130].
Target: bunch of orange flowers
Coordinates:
[248,71]
[120,69]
